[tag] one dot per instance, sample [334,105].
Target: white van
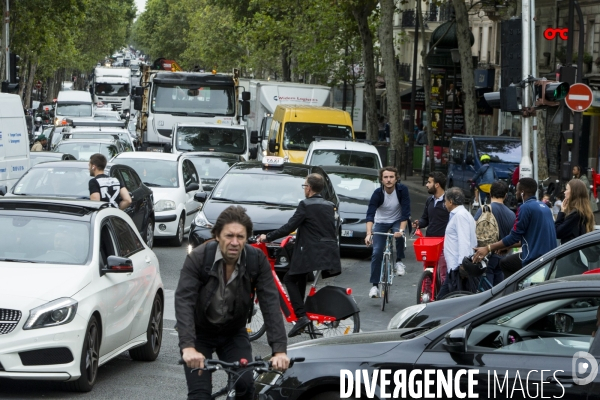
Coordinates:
[323,151]
[14,141]
[73,104]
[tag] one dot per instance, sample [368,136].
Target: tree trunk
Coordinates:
[471,119]
[386,40]
[2,53]
[426,90]
[23,78]
[30,80]
[362,13]
[286,65]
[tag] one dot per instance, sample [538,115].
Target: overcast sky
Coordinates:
[141,5]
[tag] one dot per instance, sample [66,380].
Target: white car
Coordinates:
[174,182]
[342,152]
[78,287]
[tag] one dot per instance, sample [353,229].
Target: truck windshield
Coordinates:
[500,150]
[299,135]
[74,110]
[111,89]
[193,100]
[209,138]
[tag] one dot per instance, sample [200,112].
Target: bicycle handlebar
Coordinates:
[260,365]
[382,233]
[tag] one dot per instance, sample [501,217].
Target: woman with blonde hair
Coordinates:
[575,217]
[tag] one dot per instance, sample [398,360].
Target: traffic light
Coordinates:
[550,93]
[14,68]
[508,99]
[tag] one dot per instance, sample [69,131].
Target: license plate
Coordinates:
[347,233]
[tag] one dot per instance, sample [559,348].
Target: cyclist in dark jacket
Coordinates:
[213,300]
[316,247]
[484,177]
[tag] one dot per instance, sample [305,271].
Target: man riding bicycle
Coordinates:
[214,299]
[316,245]
[389,208]
[485,176]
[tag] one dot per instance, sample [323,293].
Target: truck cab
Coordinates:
[209,137]
[112,86]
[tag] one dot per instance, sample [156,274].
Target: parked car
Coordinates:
[573,258]
[342,152]
[78,288]
[527,340]
[174,182]
[69,179]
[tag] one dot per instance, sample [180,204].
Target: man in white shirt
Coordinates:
[459,241]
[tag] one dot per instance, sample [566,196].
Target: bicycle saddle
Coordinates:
[474,269]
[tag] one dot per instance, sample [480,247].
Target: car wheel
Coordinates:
[150,350]
[90,355]
[149,233]
[177,241]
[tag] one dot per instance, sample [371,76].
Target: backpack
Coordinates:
[251,267]
[486,227]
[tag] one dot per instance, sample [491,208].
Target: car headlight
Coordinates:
[57,312]
[403,317]
[164,205]
[201,220]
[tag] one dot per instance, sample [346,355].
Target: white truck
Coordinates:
[210,137]
[165,98]
[14,141]
[112,86]
[265,96]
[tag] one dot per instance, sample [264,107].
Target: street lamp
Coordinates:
[455,60]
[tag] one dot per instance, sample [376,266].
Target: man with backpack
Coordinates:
[215,297]
[484,177]
[492,223]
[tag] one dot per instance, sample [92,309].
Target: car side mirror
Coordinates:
[3,190]
[118,265]
[168,148]
[138,91]
[456,341]
[191,187]
[246,96]
[254,137]
[273,147]
[253,153]
[469,160]
[562,323]
[200,197]
[245,107]
[137,103]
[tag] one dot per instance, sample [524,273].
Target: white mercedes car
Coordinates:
[78,286]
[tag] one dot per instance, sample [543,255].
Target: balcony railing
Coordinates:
[404,71]
[434,14]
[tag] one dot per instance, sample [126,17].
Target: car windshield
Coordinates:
[299,135]
[43,240]
[208,138]
[356,186]
[261,188]
[74,110]
[212,168]
[193,100]
[54,181]
[111,89]
[500,150]
[83,151]
[345,157]
[154,173]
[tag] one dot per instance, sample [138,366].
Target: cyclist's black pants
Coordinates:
[229,348]
[296,288]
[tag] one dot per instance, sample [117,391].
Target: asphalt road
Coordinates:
[122,378]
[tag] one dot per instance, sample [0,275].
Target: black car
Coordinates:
[573,258]
[269,194]
[212,166]
[354,187]
[525,341]
[70,179]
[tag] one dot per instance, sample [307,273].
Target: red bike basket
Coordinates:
[428,248]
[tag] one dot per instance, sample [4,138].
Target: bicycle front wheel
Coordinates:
[424,293]
[341,327]
[256,327]
[385,275]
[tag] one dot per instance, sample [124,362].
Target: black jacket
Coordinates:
[435,218]
[570,226]
[316,245]
[192,298]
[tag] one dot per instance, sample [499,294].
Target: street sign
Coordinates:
[580,97]
[38,84]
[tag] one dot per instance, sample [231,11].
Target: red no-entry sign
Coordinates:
[579,98]
[38,84]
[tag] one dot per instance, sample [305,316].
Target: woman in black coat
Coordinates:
[575,217]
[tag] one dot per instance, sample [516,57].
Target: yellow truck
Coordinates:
[294,127]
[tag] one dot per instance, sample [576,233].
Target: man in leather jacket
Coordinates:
[213,299]
[316,246]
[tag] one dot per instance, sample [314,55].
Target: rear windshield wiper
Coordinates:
[17,260]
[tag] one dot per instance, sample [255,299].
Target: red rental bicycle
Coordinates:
[332,310]
[428,250]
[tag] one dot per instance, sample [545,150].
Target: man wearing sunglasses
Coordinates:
[316,245]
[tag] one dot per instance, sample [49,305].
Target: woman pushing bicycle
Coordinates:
[316,246]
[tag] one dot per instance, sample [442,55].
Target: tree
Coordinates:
[386,39]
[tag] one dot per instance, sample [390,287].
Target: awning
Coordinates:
[406,96]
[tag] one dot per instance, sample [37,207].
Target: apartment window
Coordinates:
[591,30]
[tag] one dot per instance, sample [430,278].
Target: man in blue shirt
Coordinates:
[484,177]
[534,228]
